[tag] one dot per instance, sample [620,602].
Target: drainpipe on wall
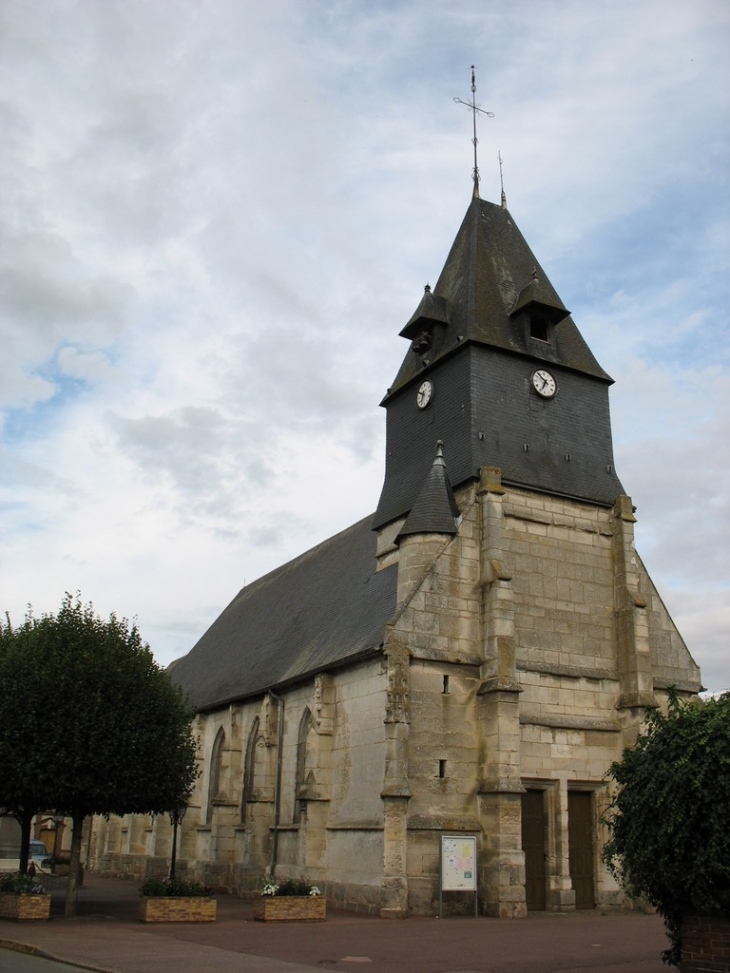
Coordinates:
[277,790]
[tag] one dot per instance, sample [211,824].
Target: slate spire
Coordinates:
[489,288]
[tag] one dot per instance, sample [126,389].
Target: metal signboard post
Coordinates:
[458,867]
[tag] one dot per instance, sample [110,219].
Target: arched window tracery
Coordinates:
[214,781]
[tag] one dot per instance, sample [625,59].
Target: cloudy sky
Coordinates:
[218,215]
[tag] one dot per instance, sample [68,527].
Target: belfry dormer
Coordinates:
[426,327]
[536,314]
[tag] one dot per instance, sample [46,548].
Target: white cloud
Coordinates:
[218,216]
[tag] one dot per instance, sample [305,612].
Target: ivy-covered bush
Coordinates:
[669,820]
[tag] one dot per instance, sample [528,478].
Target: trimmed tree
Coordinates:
[91,724]
[668,820]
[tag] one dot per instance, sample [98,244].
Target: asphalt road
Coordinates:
[14,962]
[107,935]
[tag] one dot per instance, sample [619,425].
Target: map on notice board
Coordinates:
[458,863]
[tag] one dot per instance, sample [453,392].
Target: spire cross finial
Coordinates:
[474,108]
[501,181]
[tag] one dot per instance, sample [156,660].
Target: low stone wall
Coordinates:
[354,898]
[225,878]
[705,945]
[136,867]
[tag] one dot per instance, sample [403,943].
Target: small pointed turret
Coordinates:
[435,510]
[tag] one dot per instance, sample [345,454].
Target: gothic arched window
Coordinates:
[249,768]
[305,753]
[214,781]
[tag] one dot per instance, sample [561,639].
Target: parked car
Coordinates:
[38,851]
[37,856]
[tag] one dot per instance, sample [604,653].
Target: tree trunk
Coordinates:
[25,819]
[74,866]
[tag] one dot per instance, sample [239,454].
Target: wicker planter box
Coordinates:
[24,906]
[278,908]
[171,908]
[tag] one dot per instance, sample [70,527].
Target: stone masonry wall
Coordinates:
[559,554]
[518,657]
[331,822]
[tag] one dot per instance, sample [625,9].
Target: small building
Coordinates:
[468,661]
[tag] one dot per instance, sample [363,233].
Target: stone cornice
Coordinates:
[571,672]
[564,722]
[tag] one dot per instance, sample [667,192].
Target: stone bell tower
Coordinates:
[519,586]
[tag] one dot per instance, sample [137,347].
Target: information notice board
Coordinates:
[458,866]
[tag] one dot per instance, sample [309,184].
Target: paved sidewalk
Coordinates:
[107,936]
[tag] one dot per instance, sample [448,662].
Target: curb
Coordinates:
[29,950]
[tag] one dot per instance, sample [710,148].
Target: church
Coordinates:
[465,663]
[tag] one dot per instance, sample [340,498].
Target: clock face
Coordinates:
[424,394]
[544,383]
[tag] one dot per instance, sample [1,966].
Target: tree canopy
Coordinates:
[91,724]
[668,821]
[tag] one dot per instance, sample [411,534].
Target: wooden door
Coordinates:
[580,838]
[533,845]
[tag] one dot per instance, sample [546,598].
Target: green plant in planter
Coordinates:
[16,884]
[290,886]
[159,887]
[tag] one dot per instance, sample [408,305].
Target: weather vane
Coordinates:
[474,108]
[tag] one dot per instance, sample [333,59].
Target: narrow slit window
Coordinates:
[442,769]
[446,685]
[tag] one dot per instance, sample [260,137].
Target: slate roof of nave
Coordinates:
[325,608]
